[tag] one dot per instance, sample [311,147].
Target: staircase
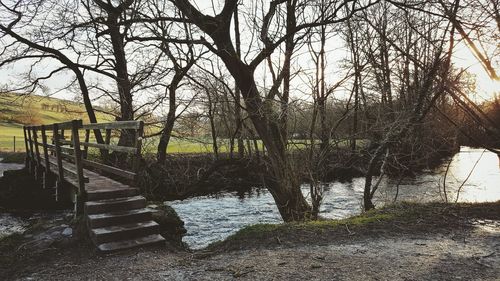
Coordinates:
[118,219]
[116,215]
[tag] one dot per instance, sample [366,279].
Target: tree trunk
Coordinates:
[167,128]
[325,132]
[88,104]
[213,130]
[122,78]
[237,94]
[288,197]
[283,185]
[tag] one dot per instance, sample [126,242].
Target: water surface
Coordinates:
[9,166]
[10,224]
[474,171]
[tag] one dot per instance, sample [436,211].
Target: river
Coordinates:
[9,166]
[212,218]
[10,224]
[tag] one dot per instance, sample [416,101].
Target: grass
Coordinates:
[204,145]
[397,219]
[17,111]
[262,230]
[191,145]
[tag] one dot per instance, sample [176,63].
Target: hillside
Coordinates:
[17,110]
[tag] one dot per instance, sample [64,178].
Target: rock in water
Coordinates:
[68,231]
[171,225]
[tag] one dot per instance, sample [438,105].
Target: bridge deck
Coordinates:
[116,215]
[96,182]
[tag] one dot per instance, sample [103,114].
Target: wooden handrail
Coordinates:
[124,149]
[113,125]
[110,169]
[72,152]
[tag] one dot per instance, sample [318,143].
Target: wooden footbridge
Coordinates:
[116,215]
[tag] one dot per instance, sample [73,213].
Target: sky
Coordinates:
[463,58]
[486,87]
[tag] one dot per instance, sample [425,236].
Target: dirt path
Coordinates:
[402,242]
[469,255]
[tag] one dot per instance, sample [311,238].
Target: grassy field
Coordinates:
[17,110]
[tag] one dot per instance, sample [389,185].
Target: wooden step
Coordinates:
[103,194]
[131,243]
[117,204]
[119,217]
[120,232]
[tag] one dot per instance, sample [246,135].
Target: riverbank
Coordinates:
[399,242]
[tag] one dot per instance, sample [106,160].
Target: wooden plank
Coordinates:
[68,150]
[45,151]
[71,172]
[125,149]
[26,145]
[37,151]
[138,144]
[40,127]
[67,156]
[113,125]
[110,169]
[86,148]
[75,137]
[32,155]
[60,171]
[78,155]
[64,126]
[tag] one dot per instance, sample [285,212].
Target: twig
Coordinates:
[467,178]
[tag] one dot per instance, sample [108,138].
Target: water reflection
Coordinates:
[9,166]
[474,171]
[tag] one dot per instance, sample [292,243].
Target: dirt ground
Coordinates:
[455,245]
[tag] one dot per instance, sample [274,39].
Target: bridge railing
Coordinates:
[134,128]
[49,151]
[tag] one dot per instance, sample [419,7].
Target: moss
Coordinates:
[260,230]
[171,225]
[356,221]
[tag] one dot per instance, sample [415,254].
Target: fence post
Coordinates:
[107,140]
[60,171]
[32,155]
[86,148]
[27,149]
[37,151]
[46,158]
[138,144]
[14,143]
[76,125]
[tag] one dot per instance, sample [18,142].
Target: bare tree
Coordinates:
[269,124]
[387,49]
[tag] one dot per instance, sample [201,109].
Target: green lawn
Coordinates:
[7,133]
[16,111]
[190,145]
